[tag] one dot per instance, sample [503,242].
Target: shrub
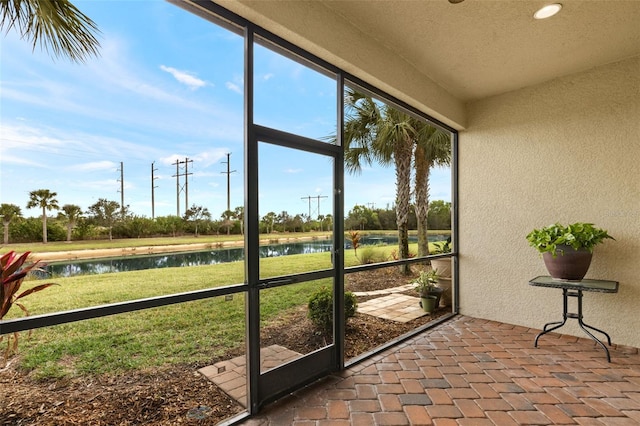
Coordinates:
[321,307]
[369,255]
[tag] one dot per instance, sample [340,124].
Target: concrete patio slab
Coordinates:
[395,307]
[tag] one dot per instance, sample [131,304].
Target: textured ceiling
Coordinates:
[480,48]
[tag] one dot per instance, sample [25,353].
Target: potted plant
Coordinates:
[567,250]
[429,292]
[443,265]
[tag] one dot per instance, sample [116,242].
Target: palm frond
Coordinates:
[57,26]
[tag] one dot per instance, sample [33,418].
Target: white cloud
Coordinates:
[233,87]
[268,76]
[236,85]
[293,171]
[185,77]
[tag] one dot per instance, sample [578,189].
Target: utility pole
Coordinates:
[186,183]
[186,173]
[308,197]
[153,187]
[177,176]
[228,173]
[121,180]
[318,197]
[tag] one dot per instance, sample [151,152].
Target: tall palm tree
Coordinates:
[385,135]
[57,25]
[8,212]
[71,213]
[433,148]
[46,200]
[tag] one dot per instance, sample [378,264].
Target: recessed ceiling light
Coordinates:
[548,11]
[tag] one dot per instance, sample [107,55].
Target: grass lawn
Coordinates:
[193,332]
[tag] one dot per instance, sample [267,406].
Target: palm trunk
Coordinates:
[6,232]
[422,199]
[69,228]
[402,159]
[44,226]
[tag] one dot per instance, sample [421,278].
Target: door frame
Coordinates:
[270,385]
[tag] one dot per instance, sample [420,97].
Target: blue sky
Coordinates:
[167,86]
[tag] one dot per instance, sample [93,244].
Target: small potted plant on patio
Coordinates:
[429,292]
[567,250]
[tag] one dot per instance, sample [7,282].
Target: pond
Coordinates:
[206,257]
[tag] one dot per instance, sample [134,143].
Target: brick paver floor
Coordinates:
[474,372]
[231,375]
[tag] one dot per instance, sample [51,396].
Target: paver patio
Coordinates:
[231,375]
[470,371]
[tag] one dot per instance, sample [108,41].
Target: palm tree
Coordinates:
[46,200]
[384,135]
[71,213]
[8,213]
[380,133]
[433,148]
[54,24]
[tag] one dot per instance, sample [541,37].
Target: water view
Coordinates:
[205,257]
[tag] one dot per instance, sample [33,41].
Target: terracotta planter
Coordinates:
[443,265]
[569,264]
[445,285]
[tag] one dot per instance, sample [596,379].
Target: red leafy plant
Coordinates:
[13,271]
[354,236]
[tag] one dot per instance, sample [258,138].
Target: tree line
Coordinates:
[107,219]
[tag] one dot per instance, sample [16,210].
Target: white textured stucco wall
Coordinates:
[567,151]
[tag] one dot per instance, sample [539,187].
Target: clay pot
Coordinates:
[569,264]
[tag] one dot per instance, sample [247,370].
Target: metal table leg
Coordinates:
[549,327]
